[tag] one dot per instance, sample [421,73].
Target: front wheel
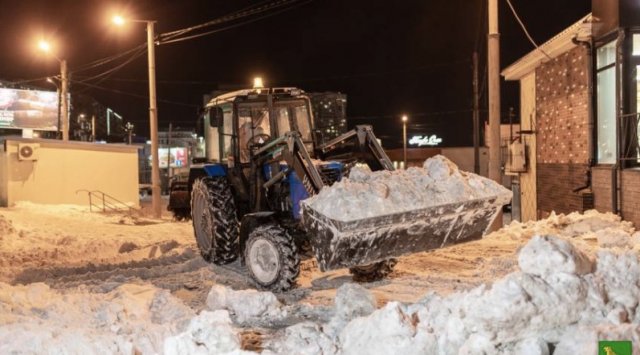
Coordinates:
[373,272]
[272,258]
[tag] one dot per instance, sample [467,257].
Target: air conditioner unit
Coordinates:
[28,151]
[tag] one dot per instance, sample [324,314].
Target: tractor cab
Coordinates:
[237,123]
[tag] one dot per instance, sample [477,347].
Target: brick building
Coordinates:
[579,109]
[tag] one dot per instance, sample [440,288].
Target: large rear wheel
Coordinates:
[272,258]
[373,272]
[215,222]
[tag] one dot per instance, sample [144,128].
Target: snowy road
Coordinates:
[101,253]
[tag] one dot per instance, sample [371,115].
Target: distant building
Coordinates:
[181,137]
[329,112]
[109,125]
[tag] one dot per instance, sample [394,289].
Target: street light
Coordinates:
[257,84]
[63,105]
[118,20]
[404,138]
[153,113]
[44,46]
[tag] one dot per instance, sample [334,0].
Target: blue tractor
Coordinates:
[264,157]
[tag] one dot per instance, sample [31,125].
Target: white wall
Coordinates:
[63,169]
[463,158]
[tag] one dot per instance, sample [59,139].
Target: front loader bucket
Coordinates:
[339,244]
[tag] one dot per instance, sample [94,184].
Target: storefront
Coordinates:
[580,93]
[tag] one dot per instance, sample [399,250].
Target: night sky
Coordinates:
[407,56]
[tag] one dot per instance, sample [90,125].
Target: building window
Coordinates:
[636,45]
[606,101]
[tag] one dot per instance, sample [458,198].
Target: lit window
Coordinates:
[606,101]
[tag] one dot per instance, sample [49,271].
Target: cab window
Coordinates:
[253,121]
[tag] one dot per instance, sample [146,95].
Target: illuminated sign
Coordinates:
[29,109]
[420,141]
[177,159]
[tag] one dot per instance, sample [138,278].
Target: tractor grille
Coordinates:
[329,175]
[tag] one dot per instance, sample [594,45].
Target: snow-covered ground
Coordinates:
[565,281]
[33,237]
[76,282]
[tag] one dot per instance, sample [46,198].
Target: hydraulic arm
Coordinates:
[359,144]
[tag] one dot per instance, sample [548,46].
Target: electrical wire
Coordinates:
[170,37]
[105,60]
[524,28]
[245,12]
[168,40]
[174,82]
[118,67]
[132,94]
[303,80]
[139,50]
[106,74]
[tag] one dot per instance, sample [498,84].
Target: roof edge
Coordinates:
[556,46]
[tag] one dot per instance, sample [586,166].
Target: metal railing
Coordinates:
[104,202]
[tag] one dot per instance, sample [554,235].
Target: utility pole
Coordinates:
[64,93]
[404,140]
[493,62]
[153,123]
[476,117]
[93,128]
[169,152]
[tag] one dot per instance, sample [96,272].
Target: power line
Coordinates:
[177,82]
[132,94]
[105,75]
[524,28]
[245,12]
[108,59]
[118,67]
[180,39]
[345,76]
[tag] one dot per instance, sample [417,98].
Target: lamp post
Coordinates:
[404,139]
[64,90]
[153,113]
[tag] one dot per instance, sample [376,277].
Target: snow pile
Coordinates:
[208,333]
[590,225]
[130,319]
[352,301]
[368,194]
[560,299]
[246,306]
[547,255]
